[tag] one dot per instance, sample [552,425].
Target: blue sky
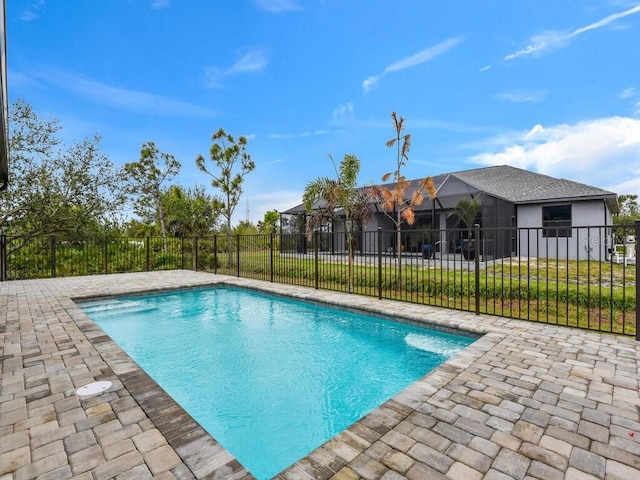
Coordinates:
[551,86]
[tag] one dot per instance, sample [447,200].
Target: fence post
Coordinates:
[477,267]
[182,253]
[379,263]
[271,256]
[195,254]
[215,254]
[53,256]
[637,281]
[106,254]
[238,254]
[315,254]
[148,242]
[3,256]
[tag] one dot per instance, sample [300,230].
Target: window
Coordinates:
[556,221]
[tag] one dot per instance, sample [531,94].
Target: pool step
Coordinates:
[116,307]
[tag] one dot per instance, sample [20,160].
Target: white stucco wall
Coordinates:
[589,238]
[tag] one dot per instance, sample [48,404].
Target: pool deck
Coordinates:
[525,401]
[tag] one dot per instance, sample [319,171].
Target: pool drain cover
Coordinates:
[93,388]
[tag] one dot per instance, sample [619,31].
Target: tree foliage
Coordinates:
[329,200]
[269,223]
[245,227]
[145,184]
[232,163]
[56,188]
[629,210]
[398,201]
[190,212]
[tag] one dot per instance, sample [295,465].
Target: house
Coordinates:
[522,214]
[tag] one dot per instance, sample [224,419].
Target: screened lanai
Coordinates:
[434,224]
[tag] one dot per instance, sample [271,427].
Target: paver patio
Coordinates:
[525,401]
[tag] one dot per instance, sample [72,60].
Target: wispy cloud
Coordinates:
[160,4]
[315,133]
[121,98]
[553,40]
[343,112]
[522,96]
[252,61]
[30,12]
[485,68]
[279,6]
[628,93]
[412,61]
[596,152]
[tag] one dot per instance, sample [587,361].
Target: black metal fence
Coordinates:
[584,277]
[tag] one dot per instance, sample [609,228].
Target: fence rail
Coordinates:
[584,277]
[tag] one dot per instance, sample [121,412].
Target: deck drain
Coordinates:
[93,388]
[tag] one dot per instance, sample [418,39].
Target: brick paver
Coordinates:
[525,400]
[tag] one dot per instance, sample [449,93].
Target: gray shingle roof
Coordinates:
[522,186]
[512,184]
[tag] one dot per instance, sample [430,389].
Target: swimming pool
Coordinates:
[269,378]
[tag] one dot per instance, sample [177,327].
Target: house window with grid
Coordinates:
[556,221]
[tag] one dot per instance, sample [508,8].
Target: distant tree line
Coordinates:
[75,189]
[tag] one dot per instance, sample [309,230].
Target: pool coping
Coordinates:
[416,433]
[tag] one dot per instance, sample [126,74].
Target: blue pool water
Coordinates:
[269,378]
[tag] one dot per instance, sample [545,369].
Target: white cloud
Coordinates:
[553,40]
[252,61]
[485,68]
[522,96]
[30,12]
[285,136]
[412,61]
[597,152]
[423,56]
[534,131]
[279,6]
[628,93]
[160,4]
[342,113]
[121,98]
[369,83]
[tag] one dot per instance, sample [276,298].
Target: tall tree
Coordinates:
[145,183]
[329,200]
[629,210]
[232,162]
[190,212]
[626,217]
[55,188]
[269,223]
[395,201]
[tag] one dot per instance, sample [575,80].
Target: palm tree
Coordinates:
[467,209]
[329,200]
